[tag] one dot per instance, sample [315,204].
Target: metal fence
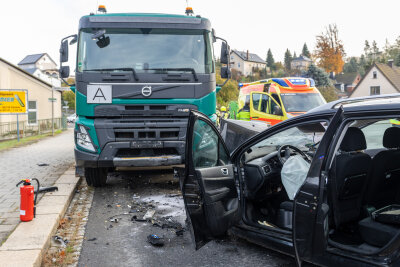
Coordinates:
[8,130]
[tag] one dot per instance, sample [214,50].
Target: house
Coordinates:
[41,66]
[39,92]
[346,82]
[245,62]
[300,63]
[378,80]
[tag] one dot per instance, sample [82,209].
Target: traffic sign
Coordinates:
[52,99]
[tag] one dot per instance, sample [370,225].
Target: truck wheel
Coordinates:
[96,177]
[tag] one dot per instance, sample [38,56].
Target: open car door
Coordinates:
[208,183]
[263,107]
[310,214]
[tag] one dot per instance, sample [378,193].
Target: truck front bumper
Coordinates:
[110,157]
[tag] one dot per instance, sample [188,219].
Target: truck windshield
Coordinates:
[147,50]
[301,102]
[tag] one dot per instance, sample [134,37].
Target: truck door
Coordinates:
[208,184]
[308,208]
[263,107]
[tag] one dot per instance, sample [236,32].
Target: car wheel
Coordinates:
[96,177]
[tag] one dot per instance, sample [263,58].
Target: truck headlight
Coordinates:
[83,139]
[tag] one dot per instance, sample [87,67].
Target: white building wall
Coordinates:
[364,86]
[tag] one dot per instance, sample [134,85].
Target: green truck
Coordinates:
[136,78]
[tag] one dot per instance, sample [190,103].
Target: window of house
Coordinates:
[32,112]
[374,75]
[239,64]
[375,90]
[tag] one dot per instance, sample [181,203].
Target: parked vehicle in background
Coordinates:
[71,118]
[322,187]
[277,99]
[137,78]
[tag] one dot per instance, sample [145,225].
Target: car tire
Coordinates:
[96,177]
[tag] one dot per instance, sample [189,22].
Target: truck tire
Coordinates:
[96,177]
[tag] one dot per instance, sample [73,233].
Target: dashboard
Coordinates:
[262,177]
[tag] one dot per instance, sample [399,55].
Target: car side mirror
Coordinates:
[64,72]
[225,53]
[64,51]
[278,111]
[225,72]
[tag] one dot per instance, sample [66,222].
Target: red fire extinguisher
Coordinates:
[28,198]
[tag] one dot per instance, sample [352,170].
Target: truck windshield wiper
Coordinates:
[123,69]
[178,69]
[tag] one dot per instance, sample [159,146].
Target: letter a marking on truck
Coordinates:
[99,93]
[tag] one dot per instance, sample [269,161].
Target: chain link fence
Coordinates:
[8,130]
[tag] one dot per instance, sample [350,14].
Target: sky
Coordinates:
[31,27]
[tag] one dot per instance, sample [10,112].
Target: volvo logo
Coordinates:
[146,91]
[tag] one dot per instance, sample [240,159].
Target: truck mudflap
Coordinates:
[147,161]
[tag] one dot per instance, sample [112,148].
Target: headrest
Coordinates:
[354,140]
[391,138]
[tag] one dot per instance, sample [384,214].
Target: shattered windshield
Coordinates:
[306,137]
[145,50]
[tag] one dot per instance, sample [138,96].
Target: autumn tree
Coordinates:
[305,52]
[329,50]
[288,59]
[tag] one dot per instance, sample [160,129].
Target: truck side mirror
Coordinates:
[64,51]
[214,36]
[64,72]
[225,72]
[224,53]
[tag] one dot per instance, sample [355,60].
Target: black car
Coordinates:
[323,187]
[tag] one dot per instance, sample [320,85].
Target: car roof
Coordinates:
[367,103]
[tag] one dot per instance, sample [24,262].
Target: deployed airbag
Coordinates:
[293,174]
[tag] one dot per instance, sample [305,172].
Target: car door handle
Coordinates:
[225,171]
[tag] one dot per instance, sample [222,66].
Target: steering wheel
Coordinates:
[288,150]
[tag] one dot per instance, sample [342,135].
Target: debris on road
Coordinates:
[115,220]
[155,240]
[43,164]
[149,215]
[92,239]
[59,240]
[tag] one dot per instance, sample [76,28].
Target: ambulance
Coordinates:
[277,99]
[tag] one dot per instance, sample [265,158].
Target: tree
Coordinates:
[69,96]
[229,92]
[305,52]
[367,48]
[329,50]
[270,60]
[397,60]
[288,59]
[322,82]
[294,54]
[351,66]
[320,77]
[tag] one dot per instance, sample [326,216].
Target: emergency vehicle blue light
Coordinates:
[312,82]
[298,81]
[240,85]
[281,82]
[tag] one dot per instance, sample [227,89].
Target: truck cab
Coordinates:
[277,99]
[137,77]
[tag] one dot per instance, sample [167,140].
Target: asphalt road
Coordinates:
[124,243]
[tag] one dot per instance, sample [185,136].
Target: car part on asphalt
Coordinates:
[155,240]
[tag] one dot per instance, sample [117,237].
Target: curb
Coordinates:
[27,243]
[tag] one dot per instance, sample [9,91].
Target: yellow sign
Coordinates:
[13,102]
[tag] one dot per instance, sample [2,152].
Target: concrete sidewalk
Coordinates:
[22,162]
[27,243]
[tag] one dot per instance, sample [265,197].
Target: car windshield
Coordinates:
[145,50]
[301,102]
